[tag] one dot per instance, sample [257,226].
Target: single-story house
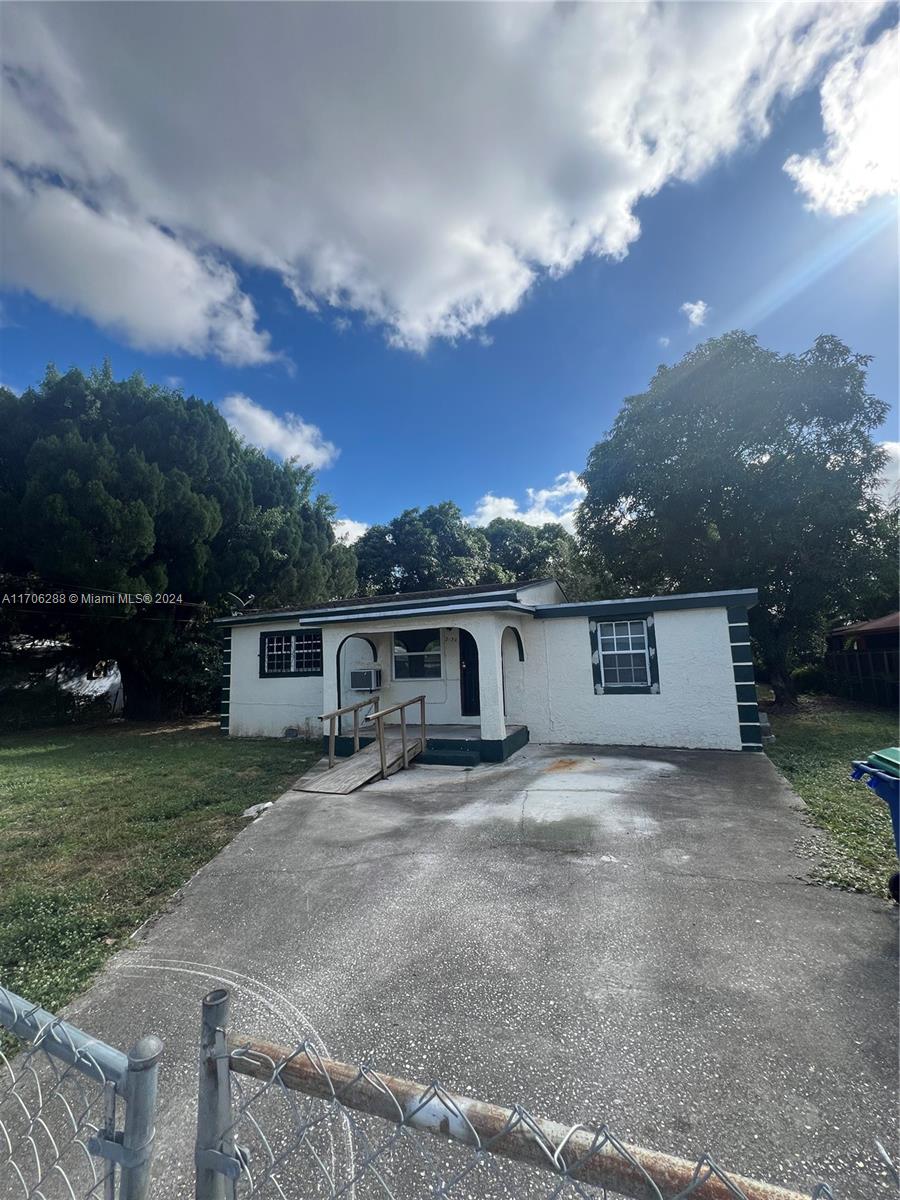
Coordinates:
[500,665]
[883,633]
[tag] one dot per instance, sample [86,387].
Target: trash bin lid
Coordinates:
[887,760]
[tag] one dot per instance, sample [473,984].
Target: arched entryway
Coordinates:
[469,682]
[513,665]
[360,652]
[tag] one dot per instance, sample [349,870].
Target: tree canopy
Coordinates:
[738,467]
[128,486]
[424,549]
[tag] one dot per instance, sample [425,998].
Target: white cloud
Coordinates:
[861,118]
[696,311]
[287,436]
[664,341]
[348,159]
[349,531]
[889,486]
[124,273]
[558,503]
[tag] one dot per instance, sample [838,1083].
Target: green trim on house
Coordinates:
[744,673]
[608,610]
[486,750]
[741,654]
[739,633]
[624,689]
[225,697]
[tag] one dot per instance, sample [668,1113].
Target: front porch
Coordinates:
[447,745]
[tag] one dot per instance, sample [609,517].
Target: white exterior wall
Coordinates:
[442,696]
[695,707]
[552,692]
[269,707]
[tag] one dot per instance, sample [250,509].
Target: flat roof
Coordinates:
[490,599]
[738,598]
[387,603]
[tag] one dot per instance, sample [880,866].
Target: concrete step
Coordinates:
[450,758]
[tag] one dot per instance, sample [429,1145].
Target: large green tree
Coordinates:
[423,549]
[127,486]
[741,467]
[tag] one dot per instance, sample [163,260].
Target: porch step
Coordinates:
[450,758]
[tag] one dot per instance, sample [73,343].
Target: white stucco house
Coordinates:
[501,665]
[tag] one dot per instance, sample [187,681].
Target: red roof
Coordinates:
[888,624]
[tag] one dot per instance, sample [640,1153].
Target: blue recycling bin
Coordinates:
[888,788]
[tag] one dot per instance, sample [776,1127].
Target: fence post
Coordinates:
[216,1163]
[140,1113]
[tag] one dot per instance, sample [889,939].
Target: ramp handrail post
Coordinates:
[355,730]
[382,753]
[331,732]
[140,1111]
[403,738]
[422,714]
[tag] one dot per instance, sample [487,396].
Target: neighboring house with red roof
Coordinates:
[863,659]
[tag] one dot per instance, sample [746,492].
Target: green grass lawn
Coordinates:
[99,826]
[813,749]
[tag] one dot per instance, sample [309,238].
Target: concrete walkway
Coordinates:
[617,936]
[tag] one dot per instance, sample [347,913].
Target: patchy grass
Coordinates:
[98,827]
[813,749]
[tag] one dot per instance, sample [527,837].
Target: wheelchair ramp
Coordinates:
[364,766]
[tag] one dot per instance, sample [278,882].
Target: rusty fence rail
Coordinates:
[60,1099]
[287,1122]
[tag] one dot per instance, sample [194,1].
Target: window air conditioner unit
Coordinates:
[368,680]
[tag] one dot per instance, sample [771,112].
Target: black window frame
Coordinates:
[410,655]
[605,688]
[314,635]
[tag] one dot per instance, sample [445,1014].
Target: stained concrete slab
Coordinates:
[618,935]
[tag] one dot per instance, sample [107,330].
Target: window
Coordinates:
[292,653]
[623,652]
[417,654]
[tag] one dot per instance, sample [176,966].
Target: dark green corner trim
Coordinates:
[498,750]
[744,679]
[753,749]
[741,653]
[624,689]
[224,705]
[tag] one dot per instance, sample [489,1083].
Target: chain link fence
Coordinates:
[60,1098]
[288,1123]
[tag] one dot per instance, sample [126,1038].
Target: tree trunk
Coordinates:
[782,685]
[143,695]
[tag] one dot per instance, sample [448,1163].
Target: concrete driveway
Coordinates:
[616,935]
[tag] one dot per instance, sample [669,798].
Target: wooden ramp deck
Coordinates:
[349,774]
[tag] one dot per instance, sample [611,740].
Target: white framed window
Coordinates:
[417,654]
[624,653]
[296,652]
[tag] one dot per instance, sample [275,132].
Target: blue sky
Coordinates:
[480,413]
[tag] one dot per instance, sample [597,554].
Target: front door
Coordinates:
[470,693]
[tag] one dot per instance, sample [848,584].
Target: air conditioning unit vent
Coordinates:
[367,680]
